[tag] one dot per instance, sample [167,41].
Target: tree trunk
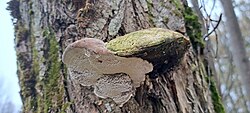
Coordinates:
[44,28]
[237,45]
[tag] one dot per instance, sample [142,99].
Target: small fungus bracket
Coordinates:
[116,68]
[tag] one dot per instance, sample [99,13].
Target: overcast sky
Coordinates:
[8,57]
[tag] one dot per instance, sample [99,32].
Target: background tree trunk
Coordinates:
[237,45]
[44,28]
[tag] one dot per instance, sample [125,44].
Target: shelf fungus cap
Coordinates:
[91,55]
[136,68]
[77,54]
[76,57]
[136,42]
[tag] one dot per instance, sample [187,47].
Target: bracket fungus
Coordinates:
[116,68]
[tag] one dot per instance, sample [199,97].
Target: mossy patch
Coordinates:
[218,106]
[193,28]
[53,88]
[135,42]
[26,73]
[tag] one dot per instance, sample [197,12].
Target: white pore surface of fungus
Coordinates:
[118,87]
[91,63]
[84,77]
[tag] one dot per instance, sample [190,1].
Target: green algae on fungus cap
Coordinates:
[138,41]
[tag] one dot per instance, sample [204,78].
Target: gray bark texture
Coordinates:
[43,29]
[237,47]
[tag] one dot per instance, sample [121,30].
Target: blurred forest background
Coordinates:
[217,36]
[229,84]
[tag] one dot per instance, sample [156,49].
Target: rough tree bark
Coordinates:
[208,51]
[44,28]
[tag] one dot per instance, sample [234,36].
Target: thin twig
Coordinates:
[220,17]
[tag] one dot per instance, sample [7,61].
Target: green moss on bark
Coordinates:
[53,88]
[193,28]
[26,70]
[40,93]
[218,106]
